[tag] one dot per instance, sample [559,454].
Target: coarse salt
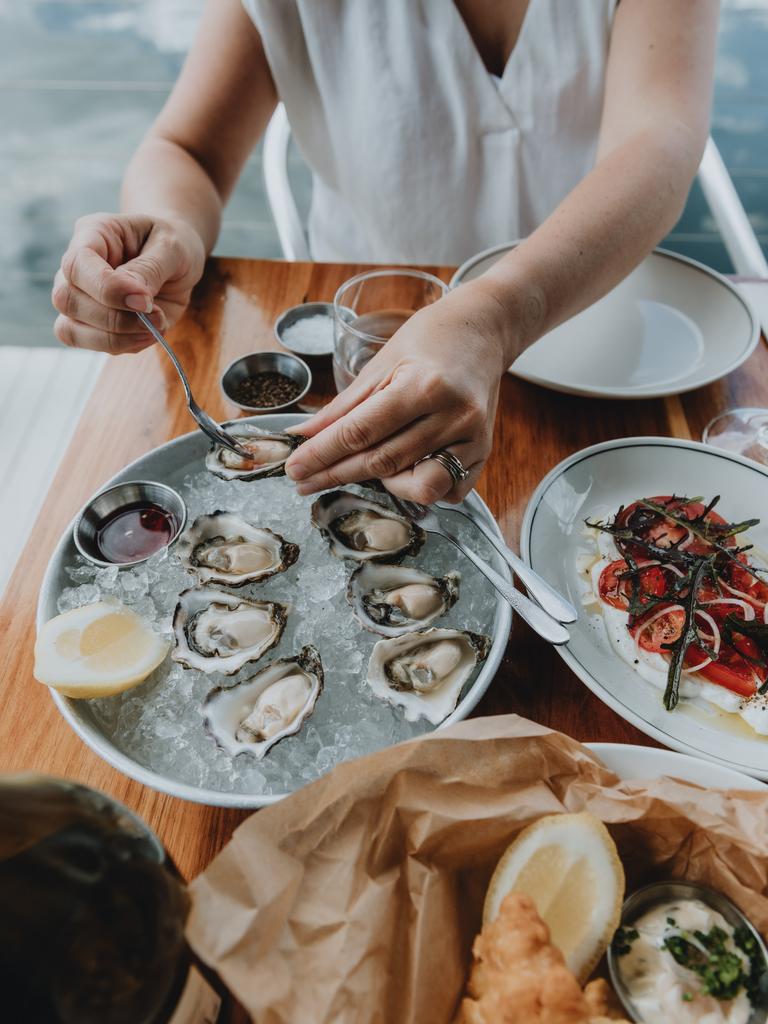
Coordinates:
[311,335]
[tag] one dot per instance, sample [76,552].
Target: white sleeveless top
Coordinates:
[418,153]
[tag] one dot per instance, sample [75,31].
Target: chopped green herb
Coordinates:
[623,939]
[757,982]
[721,971]
[687,997]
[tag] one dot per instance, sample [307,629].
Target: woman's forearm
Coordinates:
[187,166]
[652,134]
[595,237]
[163,180]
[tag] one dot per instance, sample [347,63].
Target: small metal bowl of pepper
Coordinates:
[266,381]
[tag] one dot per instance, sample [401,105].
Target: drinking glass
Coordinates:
[743,431]
[369,308]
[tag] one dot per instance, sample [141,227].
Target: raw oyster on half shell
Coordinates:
[220,632]
[424,672]
[270,450]
[223,548]
[395,599]
[255,714]
[364,530]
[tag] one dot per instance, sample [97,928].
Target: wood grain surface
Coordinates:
[138,404]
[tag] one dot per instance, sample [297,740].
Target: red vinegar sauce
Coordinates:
[134,531]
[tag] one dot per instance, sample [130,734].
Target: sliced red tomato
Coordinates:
[733,671]
[736,667]
[615,591]
[663,532]
[653,633]
[753,589]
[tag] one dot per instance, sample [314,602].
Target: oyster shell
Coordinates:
[270,453]
[424,672]
[220,632]
[253,715]
[223,548]
[364,530]
[395,599]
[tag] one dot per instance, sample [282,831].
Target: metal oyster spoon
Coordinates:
[201,417]
[541,622]
[542,593]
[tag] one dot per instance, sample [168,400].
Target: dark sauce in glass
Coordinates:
[134,531]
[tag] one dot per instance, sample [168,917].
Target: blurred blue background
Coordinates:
[81,80]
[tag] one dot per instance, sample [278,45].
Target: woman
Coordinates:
[434,129]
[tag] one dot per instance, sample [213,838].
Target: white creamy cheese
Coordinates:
[664,991]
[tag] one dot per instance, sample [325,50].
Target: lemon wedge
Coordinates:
[569,866]
[97,650]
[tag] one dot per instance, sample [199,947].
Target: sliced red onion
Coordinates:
[755,601]
[749,609]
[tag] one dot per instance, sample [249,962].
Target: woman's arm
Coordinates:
[436,382]
[654,128]
[152,254]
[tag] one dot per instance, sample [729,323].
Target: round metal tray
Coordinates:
[169,464]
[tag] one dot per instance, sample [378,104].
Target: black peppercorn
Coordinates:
[266,390]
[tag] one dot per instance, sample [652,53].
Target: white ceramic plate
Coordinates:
[598,480]
[631,761]
[671,326]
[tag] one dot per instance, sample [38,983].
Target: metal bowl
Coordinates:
[304,311]
[111,500]
[662,892]
[266,362]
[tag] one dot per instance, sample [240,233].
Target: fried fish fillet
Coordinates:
[519,977]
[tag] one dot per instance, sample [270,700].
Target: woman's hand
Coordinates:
[119,263]
[435,384]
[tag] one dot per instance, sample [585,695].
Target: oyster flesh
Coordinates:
[270,453]
[424,672]
[364,530]
[223,548]
[395,599]
[220,632]
[253,715]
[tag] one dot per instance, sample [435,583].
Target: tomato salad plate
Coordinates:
[663,544]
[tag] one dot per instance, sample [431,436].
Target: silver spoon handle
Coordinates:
[545,595]
[171,354]
[548,628]
[215,432]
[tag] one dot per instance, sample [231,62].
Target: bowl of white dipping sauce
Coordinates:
[685,954]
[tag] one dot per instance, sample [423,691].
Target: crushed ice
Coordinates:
[160,723]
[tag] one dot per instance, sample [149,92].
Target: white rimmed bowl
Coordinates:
[598,480]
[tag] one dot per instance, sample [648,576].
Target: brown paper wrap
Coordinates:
[357,898]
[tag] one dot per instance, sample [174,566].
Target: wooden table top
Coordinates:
[138,404]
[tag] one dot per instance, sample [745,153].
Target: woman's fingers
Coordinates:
[390,456]
[378,417]
[87,270]
[339,406]
[131,286]
[79,335]
[429,481]
[77,305]
[459,491]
